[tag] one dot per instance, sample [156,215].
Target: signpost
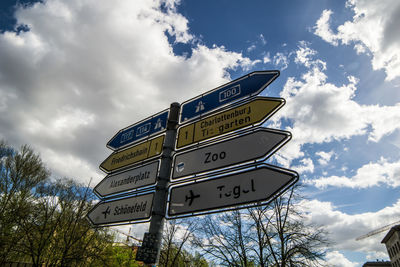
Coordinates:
[135,178]
[138,131]
[123,210]
[251,84]
[137,153]
[257,185]
[255,111]
[251,146]
[223,183]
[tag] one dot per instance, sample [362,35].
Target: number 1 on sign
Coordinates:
[186,135]
[156,146]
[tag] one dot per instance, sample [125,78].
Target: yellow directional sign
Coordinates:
[236,118]
[139,152]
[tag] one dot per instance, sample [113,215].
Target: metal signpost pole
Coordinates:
[160,198]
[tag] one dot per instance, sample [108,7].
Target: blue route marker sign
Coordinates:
[138,131]
[248,85]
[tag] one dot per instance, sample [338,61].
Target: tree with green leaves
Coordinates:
[123,256]
[20,172]
[42,219]
[57,232]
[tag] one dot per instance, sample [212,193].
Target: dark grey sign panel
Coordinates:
[136,178]
[253,186]
[251,146]
[137,208]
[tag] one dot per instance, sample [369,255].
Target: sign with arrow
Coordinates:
[217,166]
[136,178]
[250,146]
[230,191]
[255,111]
[138,131]
[132,209]
[137,153]
[249,85]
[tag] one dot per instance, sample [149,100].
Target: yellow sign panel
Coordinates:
[225,122]
[134,154]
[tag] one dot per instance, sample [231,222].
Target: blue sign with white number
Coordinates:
[145,128]
[250,84]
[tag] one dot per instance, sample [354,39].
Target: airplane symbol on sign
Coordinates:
[191,197]
[107,211]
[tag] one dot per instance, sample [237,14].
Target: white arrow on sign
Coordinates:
[128,180]
[251,146]
[249,187]
[137,208]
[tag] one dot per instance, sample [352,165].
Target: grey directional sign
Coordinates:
[132,179]
[253,186]
[137,208]
[253,145]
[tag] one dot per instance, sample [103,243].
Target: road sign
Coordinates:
[255,111]
[138,131]
[137,208]
[136,178]
[137,153]
[250,84]
[250,187]
[251,146]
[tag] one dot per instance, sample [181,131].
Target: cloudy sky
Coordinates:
[74,72]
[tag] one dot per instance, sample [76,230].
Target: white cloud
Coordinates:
[337,259]
[385,120]
[267,58]
[262,39]
[325,157]
[323,30]
[374,255]
[86,69]
[5,97]
[371,174]
[322,112]
[304,56]
[344,228]
[281,61]
[306,165]
[75,167]
[251,48]
[374,28]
